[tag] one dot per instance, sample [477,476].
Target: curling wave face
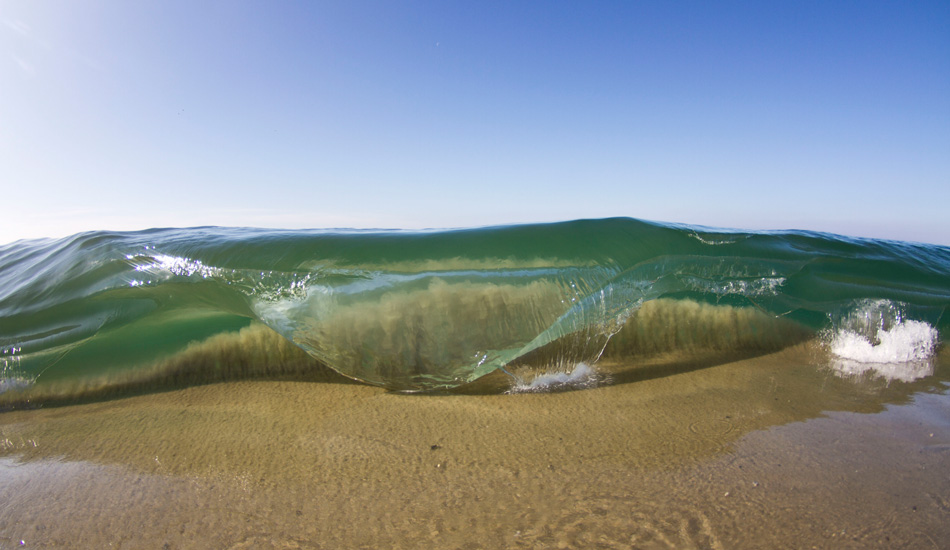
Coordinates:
[434,310]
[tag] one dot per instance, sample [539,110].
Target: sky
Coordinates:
[827,116]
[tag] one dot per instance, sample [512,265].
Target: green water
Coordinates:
[434,310]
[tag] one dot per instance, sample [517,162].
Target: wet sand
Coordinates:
[762,452]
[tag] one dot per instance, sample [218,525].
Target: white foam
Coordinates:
[890,372]
[901,352]
[904,342]
[583,376]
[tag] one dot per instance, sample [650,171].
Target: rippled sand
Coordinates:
[761,452]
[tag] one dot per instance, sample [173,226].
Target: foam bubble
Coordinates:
[904,342]
[583,376]
[890,372]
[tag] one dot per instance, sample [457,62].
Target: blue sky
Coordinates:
[831,116]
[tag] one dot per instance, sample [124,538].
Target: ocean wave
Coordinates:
[417,311]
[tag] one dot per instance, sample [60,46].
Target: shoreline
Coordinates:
[747,454]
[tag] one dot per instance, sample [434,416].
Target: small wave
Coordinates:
[583,376]
[418,311]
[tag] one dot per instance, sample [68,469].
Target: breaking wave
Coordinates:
[416,311]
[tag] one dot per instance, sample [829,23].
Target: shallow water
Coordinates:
[679,452]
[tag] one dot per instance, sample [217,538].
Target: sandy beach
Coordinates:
[764,452]
[454,276]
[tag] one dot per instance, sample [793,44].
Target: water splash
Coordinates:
[877,338]
[581,377]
